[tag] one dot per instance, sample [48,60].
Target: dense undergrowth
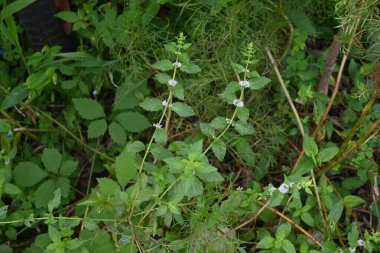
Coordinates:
[193,126]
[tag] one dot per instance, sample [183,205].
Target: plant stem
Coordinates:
[283,86]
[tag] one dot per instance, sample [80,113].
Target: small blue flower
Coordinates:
[94,93]
[9,135]
[2,52]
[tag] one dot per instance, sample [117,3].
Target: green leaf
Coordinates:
[14,7]
[97,128]
[190,68]
[207,130]
[51,159]
[117,133]
[68,16]
[191,186]
[28,174]
[160,136]
[151,104]
[54,234]
[161,153]
[327,154]
[178,91]
[88,108]
[219,149]
[283,231]
[308,219]
[150,12]
[133,121]
[243,128]
[245,151]
[126,167]
[176,165]
[309,146]
[44,193]
[64,184]
[258,83]
[11,189]
[163,78]
[266,243]
[56,201]
[163,65]
[288,247]
[182,109]
[242,113]
[353,201]
[305,165]
[237,67]
[17,95]
[218,123]
[336,212]
[68,168]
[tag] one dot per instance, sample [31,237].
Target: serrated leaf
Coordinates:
[309,146]
[209,173]
[125,167]
[207,130]
[327,154]
[11,189]
[283,231]
[243,128]
[266,243]
[151,104]
[44,193]
[219,149]
[308,219]
[160,136]
[190,68]
[242,113]
[288,247]
[245,151]
[353,201]
[52,159]
[133,121]
[218,123]
[88,108]
[183,110]
[56,201]
[28,174]
[175,164]
[191,186]
[258,83]
[68,168]
[117,133]
[54,234]
[162,78]
[163,65]
[97,128]
[237,67]
[160,153]
[178,91]
[336,212]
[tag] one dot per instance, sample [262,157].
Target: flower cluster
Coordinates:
[166,104]
[157,125]
[238,103]
[177,64]
[172,83]
[245,84]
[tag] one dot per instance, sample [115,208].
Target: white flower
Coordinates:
[239,188]
[352,250]
[177,64]
[229,121]
[157,125]
[245,84]
[271,190]
[339,250]
[284,188]
[238,103]
[361,243]
[246,70]
[172,82]
[166,104]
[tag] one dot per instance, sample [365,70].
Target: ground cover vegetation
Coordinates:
[193,126]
